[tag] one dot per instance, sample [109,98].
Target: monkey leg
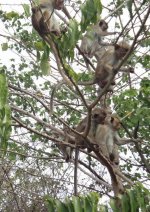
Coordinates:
[103,149]
[116,154]
[104,82]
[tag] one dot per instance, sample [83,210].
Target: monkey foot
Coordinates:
[103,83]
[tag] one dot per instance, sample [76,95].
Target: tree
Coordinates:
[32,164]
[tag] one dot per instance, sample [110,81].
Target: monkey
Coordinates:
[98,116]
[93,38]
[66,150]
[109,60]
[108,139]
[106,136]
[114,125]
[114,157]
[43,19]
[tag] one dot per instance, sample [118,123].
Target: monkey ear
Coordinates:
[95,115]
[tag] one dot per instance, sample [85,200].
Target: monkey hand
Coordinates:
[131,70]
[57,33]
[116,32]
[63,29]
[137,140]
[111,156]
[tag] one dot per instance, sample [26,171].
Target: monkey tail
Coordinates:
[52,95]
[91,82]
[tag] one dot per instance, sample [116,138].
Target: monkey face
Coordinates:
[103,25]
[113,122]
[59,4]
[99,115]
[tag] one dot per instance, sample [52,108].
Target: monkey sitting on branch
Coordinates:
[93,38]
[108,139]
[43,19]
[109,61]
[105,137]
[97,117]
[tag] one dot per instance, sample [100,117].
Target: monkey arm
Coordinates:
[81,126]
[127,70]
[122,141]
[105,33]
[108,67]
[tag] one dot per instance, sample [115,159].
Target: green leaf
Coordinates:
[44,65]
[98,6]
[3,90]
[4,46]
[5,113]
[5,126]
[113,206]
[60,206]
[94,198]
[103,208]
[129,6]
[87,205]
[133,200]
[11,15]
[140,195]
[69,205]
[77,204]
[125,203]
[71,72]
[12,156]
[90,11]
[50,204]
[26,10]
[68,41]
[39,46]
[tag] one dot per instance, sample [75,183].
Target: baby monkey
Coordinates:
[43,19]
[93,38]
[105,135]
[108,139]
[109,61]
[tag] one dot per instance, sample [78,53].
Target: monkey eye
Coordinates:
[95,115]
[126,49]
[112,119]
[100,23]
[104,114]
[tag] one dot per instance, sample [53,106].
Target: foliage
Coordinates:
[90,11]
[5,113]
[68,41]
[135,199]
[76,204]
